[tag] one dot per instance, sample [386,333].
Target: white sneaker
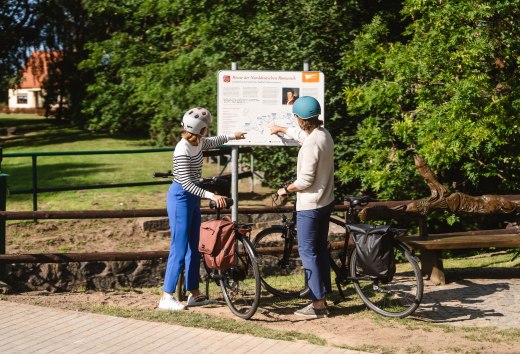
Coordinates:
[199,300]
[170,303]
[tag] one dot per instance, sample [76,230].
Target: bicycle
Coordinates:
[398,297]
[239,285]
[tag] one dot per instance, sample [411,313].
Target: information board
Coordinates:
[251,101]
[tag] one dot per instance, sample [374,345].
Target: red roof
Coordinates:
[35,72]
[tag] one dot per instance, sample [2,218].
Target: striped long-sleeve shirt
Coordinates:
[187,163]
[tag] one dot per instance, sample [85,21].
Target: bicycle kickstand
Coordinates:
[341,294]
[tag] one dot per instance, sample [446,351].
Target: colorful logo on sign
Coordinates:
[308,76]
[227,78]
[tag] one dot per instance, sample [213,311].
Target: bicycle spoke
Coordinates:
[211,285]
[281,275]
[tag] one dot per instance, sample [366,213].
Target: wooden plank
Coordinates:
[466,241]
[431,246]
[508,231]
[82,257]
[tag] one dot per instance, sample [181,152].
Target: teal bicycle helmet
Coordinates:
[306,107]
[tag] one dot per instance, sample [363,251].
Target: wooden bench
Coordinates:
[455,202]
[431,246]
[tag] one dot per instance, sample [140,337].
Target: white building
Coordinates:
[28,95]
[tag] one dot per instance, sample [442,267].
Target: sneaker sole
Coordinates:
[170,310]
[311,317]
[174,310]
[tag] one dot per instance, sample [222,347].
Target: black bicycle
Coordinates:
[282,273]
[239,285]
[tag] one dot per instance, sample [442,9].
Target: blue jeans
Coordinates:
[313,231]
[184,214]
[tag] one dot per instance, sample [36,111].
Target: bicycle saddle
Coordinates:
[357,200]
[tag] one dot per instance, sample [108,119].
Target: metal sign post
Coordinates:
[3,204]
[234,171]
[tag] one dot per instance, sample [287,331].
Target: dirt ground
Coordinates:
[350,325]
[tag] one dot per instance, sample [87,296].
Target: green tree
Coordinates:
[447,90]
[277,39]
[164,58]
[160,61]
[18,34]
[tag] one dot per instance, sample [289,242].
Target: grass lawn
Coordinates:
[37,134]
[500,259]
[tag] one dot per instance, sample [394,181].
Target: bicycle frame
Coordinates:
[290,234]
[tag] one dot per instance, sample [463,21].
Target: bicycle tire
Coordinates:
[182,294]
[281,277]
[181,289]
[240,284]
[398,298]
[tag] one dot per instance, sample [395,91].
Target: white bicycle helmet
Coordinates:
[196,119]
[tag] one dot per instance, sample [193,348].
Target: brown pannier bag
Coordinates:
[217,243]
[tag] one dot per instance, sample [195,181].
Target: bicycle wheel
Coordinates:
[281,275]
[398,298]
[240,284]
[181,288]
[204,279]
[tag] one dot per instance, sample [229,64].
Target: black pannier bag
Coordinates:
[374,249]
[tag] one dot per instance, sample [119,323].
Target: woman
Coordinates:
[314,186]
[183,206]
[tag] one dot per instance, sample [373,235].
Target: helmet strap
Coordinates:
[300,124]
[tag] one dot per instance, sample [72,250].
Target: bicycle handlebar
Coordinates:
[213,204]
[168,174]
[358,200]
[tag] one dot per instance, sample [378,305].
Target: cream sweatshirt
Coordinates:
[315,168]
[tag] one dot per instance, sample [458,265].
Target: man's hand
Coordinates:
[281,192]
[275,129]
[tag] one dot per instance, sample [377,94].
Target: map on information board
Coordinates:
[251,101]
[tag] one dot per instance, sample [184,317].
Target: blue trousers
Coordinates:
[184,215]
[313,231]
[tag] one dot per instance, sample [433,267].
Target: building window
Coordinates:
[21,98]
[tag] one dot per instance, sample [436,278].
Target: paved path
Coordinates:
[474,302]
[34,329]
